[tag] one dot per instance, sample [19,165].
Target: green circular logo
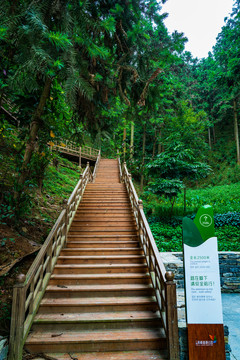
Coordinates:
[206,220]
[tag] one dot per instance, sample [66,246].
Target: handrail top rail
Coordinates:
[149,232]
[76,187]
[31,272]
[153,245]
[74,146]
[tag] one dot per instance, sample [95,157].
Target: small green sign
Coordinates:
[199,230]
[205,222]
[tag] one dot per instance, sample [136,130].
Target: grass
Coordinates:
[61,181]
[169,238]
[223,199]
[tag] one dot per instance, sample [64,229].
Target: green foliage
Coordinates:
[170,188]
[61,182]
[39,163]
[60,40]
[171,168]
[169,238]
[223,199]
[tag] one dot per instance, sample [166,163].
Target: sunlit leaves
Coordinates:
[3,33]
[98,51]
[59,40]
[109,24]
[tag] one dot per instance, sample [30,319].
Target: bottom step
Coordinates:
[123,355]
[96,340]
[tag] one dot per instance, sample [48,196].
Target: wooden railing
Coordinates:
[96,165]
[79,151]
[162,281]
[27,294]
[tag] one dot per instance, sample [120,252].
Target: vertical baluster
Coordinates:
[32,300]
[17,319]
[140,207]
[49,253]
[80,156]
[171,314]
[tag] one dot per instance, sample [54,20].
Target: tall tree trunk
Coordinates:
[160,149]
[132,140]
[209,138]
[34,127]
[214,136]
[236,130]
[154,144]
[124,140]
[184,200]
[143,156]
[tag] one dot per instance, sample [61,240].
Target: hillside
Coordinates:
[22,235]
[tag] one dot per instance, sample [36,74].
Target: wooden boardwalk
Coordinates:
[100,303]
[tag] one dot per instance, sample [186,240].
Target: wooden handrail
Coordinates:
[96,165]
[119,165]
[162,281]
[27,294]
[71,148]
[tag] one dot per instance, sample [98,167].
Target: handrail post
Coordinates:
[140,207]
[80,154]
[172,318]
[89,172]
[66,225]
[81,189]
[17,319]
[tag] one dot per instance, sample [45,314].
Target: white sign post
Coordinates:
[202,288]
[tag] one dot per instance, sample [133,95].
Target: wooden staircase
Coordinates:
[99,303]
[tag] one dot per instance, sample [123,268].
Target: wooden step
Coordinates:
[104,224]
[103,232]
[102,238]
[110,206]
[110,221]
[67,291]
[101,259]
[116,355]
[86,279]
[91,229]
[100,251]
[104,211]
[96,321]
[98,340]
[97,304]
[100,269]
[78,243]
[83,216]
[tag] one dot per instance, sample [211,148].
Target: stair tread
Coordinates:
[108,242]
[107,257]
[102,249]
[112,335]
[100,276]
[100,236]
[109,287]
[98,301]
[113,355]
[98,266]
[97,317]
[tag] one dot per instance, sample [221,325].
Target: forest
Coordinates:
[109,75]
